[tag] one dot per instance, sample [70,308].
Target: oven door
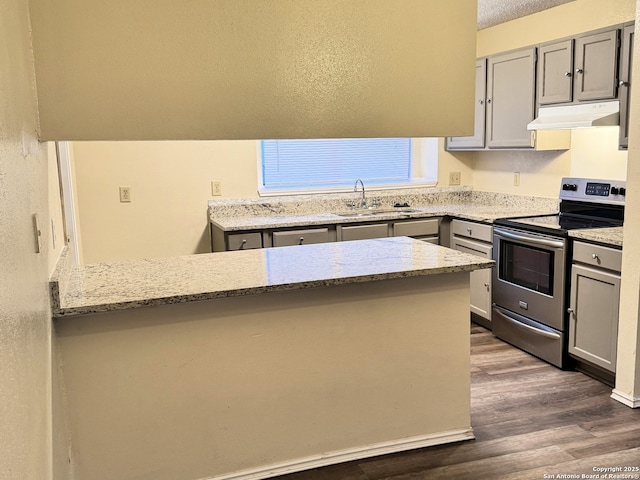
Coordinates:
[529,277]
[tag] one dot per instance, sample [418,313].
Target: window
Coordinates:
[322,165]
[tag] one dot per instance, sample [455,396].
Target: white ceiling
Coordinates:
[493,12]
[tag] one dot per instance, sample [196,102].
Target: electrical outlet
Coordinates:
[454,178]
[216,189]
[125,194]
[516,179]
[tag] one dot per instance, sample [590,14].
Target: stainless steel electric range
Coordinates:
[533,255]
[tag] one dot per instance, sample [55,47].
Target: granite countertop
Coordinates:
[478,213]
[138,283]
[259,214]
[609,236]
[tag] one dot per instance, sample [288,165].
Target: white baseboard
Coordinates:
[625,399]
[340,456]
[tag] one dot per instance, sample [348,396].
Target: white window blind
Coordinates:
[328,163]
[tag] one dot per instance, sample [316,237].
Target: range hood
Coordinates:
[577,116]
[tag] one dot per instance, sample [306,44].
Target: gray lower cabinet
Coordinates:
[362,232]
[237,241]
[300,237]
[594,304]
[426,230]
[476,239]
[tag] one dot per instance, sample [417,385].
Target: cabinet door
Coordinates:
[593,321]
[596,66]
[477,139]
[479,280]
[510,99]
[624,85]
[555,78]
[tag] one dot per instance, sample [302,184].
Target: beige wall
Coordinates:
[202,389]
[594,153]
[565,20]
[27,449]
[219,69]
[170,186]
[628,366]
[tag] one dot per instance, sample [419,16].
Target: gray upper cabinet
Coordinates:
[596,66]
[477,139]
[511,98]
[555,73]
[624,85]
[583,69]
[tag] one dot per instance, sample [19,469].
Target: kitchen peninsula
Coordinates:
[255,363]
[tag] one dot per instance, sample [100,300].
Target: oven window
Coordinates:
[526,266]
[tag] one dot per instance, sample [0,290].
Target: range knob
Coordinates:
[615,191]
[571,187]
[622,191]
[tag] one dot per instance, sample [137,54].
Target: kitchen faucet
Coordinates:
[363,202]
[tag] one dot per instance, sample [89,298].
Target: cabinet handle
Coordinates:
[595,256]
[469,231]
[622,83]
[570,310]
[486,285]
[579,70]
[301,240]
[488,100]
[244,241]
[567,74]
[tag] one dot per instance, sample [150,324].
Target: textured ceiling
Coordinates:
[493,12]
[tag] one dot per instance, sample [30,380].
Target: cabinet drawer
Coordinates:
[477,231]
[244,241]
[474,248]
[597,256]
[416,228]
[362,232]
[300,237]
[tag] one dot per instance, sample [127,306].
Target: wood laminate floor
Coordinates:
[530,420]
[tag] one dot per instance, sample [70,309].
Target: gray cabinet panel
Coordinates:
[477,139]
[244,241]
[555,73]
[416,228]
[593,322]
[300,237]
[511,98]
[363,232]
[624,86]
[597,256]
[596,66]
[476,239]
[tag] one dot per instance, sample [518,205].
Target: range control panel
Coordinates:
[593,190]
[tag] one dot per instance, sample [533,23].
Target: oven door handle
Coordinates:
[537,331]
[545,242]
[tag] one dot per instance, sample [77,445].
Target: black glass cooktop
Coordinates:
[558,224]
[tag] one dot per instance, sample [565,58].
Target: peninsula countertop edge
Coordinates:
[87,289]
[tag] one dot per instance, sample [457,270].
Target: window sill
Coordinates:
[418,183]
